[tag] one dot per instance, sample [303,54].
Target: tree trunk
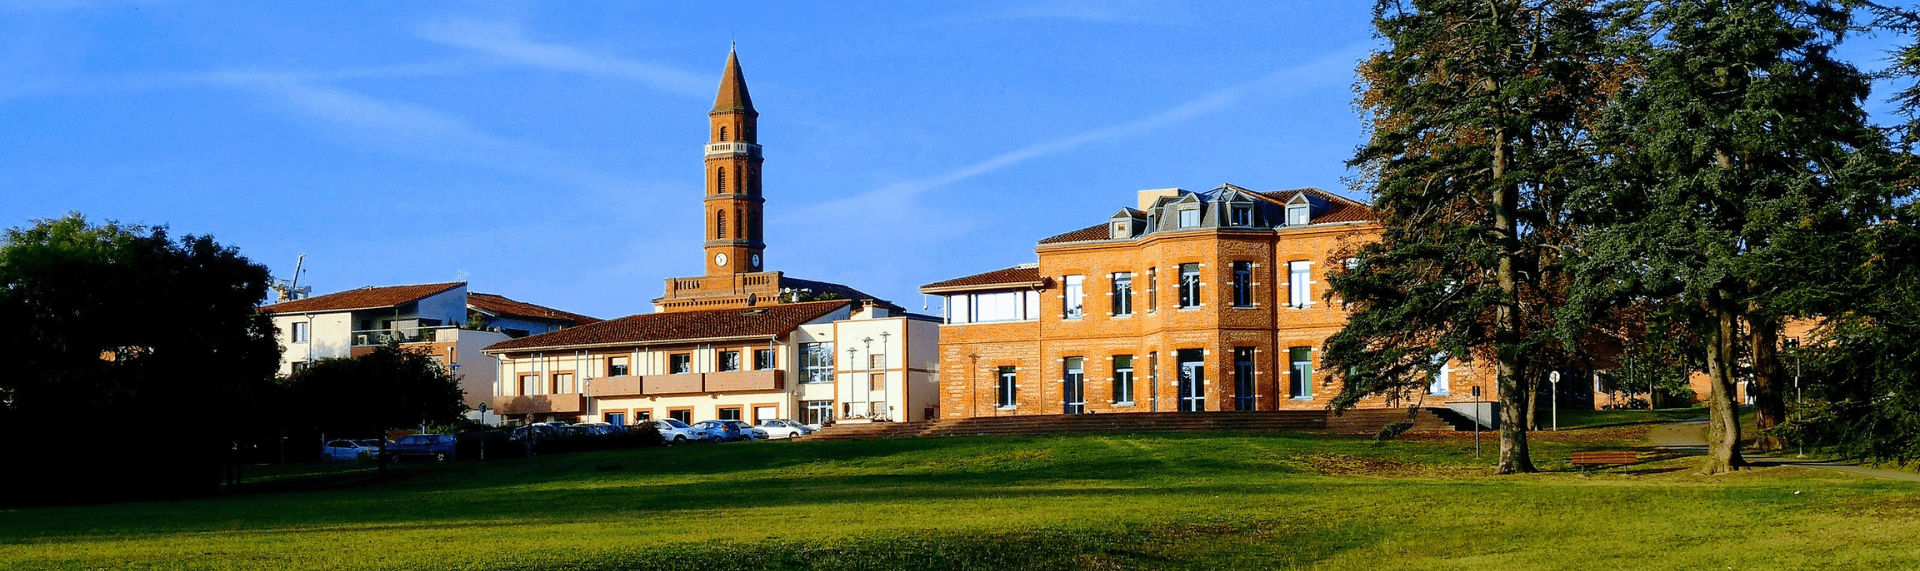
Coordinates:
[1723,424]
[1767,390]
[1515,393]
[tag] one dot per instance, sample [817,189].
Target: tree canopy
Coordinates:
[112,326]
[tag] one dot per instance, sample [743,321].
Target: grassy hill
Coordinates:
[1159,501]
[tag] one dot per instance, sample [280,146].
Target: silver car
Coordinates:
[781,428]
[672,431]
[346,451]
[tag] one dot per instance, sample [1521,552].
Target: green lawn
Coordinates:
[1221,501]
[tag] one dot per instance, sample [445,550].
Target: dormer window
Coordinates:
[1119,230]
[1189,218]
[1242,216]
[1299,214]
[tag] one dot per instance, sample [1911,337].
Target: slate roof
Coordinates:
[501,305]
[765,321]
[369,297]
[1014,276]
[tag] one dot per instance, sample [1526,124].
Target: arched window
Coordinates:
[720,224]
[736,225]
[723,133]
[753,180]
[721,178]
[753,225]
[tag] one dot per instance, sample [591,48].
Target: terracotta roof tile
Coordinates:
[1094,232]
[1018,275]
[501,305]
[1342,209]
[364,298]
[680,326]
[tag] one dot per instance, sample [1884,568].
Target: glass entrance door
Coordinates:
[1073,396]
[1193,381]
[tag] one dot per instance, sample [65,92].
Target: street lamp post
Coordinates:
[1555,401]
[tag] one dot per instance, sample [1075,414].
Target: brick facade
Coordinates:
[1267,329]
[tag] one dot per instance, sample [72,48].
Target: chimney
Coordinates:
[1149,196]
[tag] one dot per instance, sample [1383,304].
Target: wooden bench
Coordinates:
[1585,459]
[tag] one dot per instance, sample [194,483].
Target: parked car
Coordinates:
[719,431]
[672,431]
[346,451]
[439,447]
[748,431]
[779,428]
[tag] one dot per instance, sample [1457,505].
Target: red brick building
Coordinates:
[1193,301]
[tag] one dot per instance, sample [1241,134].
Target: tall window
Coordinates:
[753,183]
[729,361]
[562,383]
[1075,297]
[720,224]
[1153,289]
[302,331]
[720,179]
[1189,218]
[1123,293]
[1243,284]
[1007,388]
[737,218]
[753,225]
[1189,285]
[1243,377]
[1442,379]
[616,366]
[1300,284]
[723,133]
[1301,375]
[1153,379]
[816,362]
[680,363]
[1123,379]
[1073,391]
[1299,215]
[527,384]
[762,359]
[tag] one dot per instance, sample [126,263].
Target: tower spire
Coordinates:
[733,203]
[733,96]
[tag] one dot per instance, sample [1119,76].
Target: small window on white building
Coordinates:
[302,331]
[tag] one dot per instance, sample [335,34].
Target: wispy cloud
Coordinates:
[504,40]
[1317,74]
[406,129]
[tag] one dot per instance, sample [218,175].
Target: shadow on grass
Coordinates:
[1186,545]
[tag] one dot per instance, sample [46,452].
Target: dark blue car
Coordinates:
[439,447]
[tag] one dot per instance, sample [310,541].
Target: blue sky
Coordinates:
[551,152]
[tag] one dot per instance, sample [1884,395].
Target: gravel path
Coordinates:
[1691,437]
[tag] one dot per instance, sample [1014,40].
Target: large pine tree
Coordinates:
[1477,110]
[1740,156]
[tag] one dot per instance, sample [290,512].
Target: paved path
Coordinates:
[1691,438]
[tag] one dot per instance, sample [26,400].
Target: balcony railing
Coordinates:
[377,337]
[649,385]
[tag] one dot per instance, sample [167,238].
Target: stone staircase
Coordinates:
[1367,421]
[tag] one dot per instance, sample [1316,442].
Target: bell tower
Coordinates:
[733,203]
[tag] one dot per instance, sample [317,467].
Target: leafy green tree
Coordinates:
[1741,160]
[390,387]
[112,326]
[1477,112]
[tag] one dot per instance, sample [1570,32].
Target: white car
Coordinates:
[777,428]
[346,451]
[673,431]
